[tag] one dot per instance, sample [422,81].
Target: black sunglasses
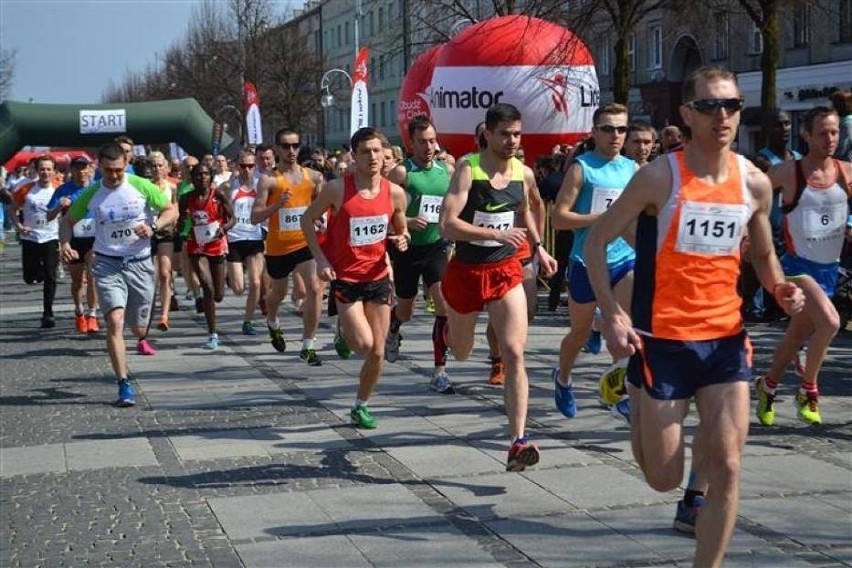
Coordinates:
[286,146]
[712,106]
[246,166]
[609,129]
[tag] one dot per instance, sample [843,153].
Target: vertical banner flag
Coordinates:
[254,133]
[359,92]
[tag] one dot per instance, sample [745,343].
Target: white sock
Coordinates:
[273,324]
[308,342]
[214,336]
[359,402]
[92,313]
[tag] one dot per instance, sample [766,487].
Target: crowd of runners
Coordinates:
[665,247]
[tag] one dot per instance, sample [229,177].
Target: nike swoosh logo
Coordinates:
[491,207]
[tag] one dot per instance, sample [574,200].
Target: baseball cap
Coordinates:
[80,162]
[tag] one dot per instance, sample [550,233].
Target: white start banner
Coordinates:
[111,121]
[553,99]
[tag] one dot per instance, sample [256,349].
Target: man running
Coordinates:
[486,212]
[425,181]
[592,184]
[245,239]
[39,235]
[86,319]
[692,209]
[364,207]
[815,193]
[123,207]
[283,195]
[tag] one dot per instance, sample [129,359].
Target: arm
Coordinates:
[763,256]
[533,211]
[563,217]
[399,176]
[225,200]
[647,191]
[455,229]
[261,210]
[782,179]
[330,197]
[401,237]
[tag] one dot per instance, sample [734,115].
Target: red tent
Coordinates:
[62,157]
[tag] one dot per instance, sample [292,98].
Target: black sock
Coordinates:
[690,495]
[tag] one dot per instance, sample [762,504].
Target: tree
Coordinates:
[7,72]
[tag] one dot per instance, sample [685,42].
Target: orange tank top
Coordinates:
[285,231]
[688,256]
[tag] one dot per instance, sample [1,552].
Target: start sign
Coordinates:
[103,121]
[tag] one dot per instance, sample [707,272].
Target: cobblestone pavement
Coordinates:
[244,457]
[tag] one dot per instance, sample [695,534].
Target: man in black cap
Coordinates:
[86,321]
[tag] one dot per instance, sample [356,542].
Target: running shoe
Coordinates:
[522,455]
[441,384]
[498,373]
[211,344]
[684,521]
[126,395]
[143,347]
[622,409]
[174,306]
[594,344]
[199,305]
[164,324]
[92,325]
[310,357]
[276,337]
[189,297]
[80,323]
[362,418]
[612,387]
[765,403]
[392,343]
[564,396]
[47,322]
[248,328]
[430,306]
[808,408]
[340,346]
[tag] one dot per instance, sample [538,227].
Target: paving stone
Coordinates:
[46,458]
[333,550]
[96,454]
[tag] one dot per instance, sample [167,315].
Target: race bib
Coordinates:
[430,207]
[243,212]
[84,229]
[120,232]
[710,228]
[291,219]
[39,219]
[206,233]
[501,221]
[367,230]
[603,198]
[822,222]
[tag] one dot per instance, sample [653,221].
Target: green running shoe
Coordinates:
[362,418]
[765,404]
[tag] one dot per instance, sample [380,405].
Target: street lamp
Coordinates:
[460,25]
[326,97]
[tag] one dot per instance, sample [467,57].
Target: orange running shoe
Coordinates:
[92,324]
[80,323]
[498,373]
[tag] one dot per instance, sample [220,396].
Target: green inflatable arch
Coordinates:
[179,120]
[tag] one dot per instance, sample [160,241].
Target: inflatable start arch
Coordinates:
[179,120]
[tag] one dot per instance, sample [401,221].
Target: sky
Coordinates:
[69,50]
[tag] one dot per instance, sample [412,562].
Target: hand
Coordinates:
[283,198]
[548,263]
[320,226]
[143,231]
[220,232]
[25,230]
[790,297]
[621,339]
[400,242]
[324,270]
[65,203]
[514,237]
[69,254]
[417,224]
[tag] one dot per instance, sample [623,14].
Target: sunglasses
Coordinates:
[712,106]
[286,146]
[609,128]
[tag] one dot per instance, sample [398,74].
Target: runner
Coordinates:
[282,197]
[815,192]
[425,182]
[193,287]
[209,211]
[123,206]
[592,184]
[245,240]
[39,236]
[689,339]
[641,137]
[486,212]
[86,320]
[364,206]
[163,241]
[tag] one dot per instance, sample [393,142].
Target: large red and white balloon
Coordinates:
[413,93]
[541,68]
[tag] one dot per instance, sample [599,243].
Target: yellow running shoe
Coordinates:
[765,403]
[808,408]
[612,387]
